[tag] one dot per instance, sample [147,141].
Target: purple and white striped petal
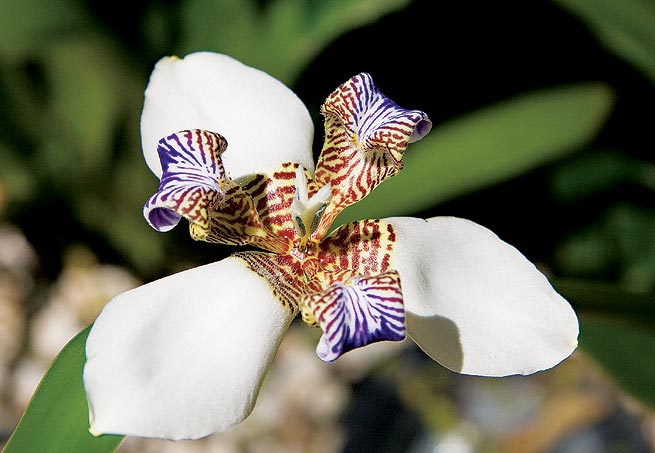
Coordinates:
[366,134]
[372,120]
[192,179]
[364,310]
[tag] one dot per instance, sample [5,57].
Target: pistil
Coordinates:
[306,212]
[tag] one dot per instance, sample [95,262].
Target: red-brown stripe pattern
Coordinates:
[282,272]
[352,251]
[362,247]
[357,312]
[233,220]
[195,185]
[192,177]
[366,134]
[341,282]
[272,196]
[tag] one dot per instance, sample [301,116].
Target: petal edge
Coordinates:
[215,92]
[140,376]
[475,304]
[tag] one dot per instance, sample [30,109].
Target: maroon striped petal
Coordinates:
[192,179]
[358,312]
[366,134]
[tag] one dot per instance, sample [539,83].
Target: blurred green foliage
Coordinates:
[490,146]
[61,387]
[620,347]
[71,90]
[625,27]
[281,40]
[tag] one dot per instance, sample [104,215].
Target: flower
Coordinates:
[185,356]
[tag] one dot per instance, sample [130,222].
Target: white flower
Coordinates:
[184,356]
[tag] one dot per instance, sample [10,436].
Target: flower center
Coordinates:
[306,212]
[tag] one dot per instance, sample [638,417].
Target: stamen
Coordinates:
[301,184]
[317,216]
[307,212]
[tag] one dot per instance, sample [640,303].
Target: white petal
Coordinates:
[184,356]
[263,121]
[475,304]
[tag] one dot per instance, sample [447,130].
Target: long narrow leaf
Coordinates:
[489,146]
[280,38]
[57,418]
[604,299]
[627,28]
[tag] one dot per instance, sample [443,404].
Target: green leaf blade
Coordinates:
[31,25]
[489,146]
[57,419]
[280,38]
[626,28]
[624,351]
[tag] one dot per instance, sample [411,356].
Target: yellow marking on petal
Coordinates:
[354,142]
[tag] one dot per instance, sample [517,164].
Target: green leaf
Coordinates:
[625,352]
[621,244]
[626,28]
[87,80]
[593,173]
[15,176]
[632,233]
[586,252]
[280,38]
[601,298]
[489,146]
[57,419]
[29,25]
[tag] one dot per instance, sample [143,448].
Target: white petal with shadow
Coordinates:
[184,356]
[262,120]
[474,303]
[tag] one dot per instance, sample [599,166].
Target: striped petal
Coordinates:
[194,185]
[192,179]
[474,303]
[357,312]
[273,196]
[283,274]
[366,134]
[183,357]
[264,121]
[363,247]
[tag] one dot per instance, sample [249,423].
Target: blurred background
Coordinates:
[543,117]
